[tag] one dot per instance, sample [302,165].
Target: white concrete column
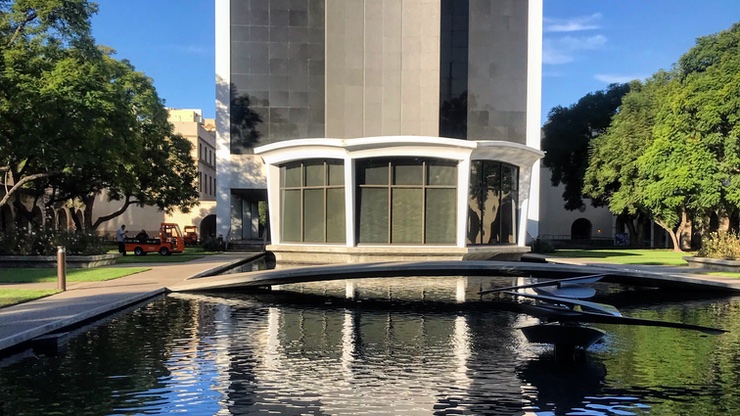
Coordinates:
[463,181]
[534,104]
[223,111]
[349,200]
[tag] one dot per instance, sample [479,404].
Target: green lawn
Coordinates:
[36,275]
[40,275]
[14,296]
[628,256]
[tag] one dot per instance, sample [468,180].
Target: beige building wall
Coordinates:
[382,68]
[190,124]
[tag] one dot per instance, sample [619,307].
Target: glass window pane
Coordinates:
[291,175]
[336,173]
[375,174]
[442,174]
[313,216]
[475,226]
[406,214]
[508,177]
[508,220]
[408,173]
[315,173]
[492,174]
[291,215]
[490,218]
[335,219]
[373,215]
[440,216]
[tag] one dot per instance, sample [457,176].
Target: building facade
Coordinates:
[379,125]
[200,132]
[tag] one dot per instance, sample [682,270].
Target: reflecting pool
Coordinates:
[282,353]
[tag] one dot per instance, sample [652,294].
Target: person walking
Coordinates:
[121,239]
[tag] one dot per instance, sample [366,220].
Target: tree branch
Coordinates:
[20,183]
[29,18]
[103,218]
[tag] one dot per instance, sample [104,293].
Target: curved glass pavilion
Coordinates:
[379,129]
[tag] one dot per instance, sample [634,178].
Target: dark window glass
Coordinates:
[493,203]
[312,210]
[407,213]
[410,210]
[335,219]
[439,216]
[409,173]
[313,215]
[291,175]
[315,173]
[274,44]
[453,83]
[291,215]
[373,215]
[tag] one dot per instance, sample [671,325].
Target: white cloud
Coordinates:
[616,79]
[574,24]
[562,50]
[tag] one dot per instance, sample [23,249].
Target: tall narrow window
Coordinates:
[312,201]
[406,201]
[493,203]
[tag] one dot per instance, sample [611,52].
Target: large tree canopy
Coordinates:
[692,166]
[75,122]
[567,135]
[673,149]
[613,172]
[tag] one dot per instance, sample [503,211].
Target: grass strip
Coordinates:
[41,275]
[10,297]
[655,257]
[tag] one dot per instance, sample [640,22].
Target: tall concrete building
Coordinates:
[379,128]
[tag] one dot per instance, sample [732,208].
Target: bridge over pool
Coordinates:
[677,278]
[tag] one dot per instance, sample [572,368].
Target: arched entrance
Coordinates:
[208,226]
[581,229]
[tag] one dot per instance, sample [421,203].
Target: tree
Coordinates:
[32,33]
[612,174]
[691,167]
[75,122]
[131,154]
[567,135]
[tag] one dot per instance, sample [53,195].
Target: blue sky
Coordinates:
[587,44]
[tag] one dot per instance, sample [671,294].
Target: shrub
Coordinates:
[542,246]
[214,244]
[24,242]
[720,245]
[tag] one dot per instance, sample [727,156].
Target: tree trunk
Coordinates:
[673,233]
[684,232]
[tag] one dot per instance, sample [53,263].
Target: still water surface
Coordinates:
[245,354]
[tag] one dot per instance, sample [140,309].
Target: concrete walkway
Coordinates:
[83,301]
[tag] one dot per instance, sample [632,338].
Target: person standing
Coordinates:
[121,238]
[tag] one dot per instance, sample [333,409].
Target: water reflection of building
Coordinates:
[433,110]
[350,361]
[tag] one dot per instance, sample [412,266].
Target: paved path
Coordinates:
[83,301]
